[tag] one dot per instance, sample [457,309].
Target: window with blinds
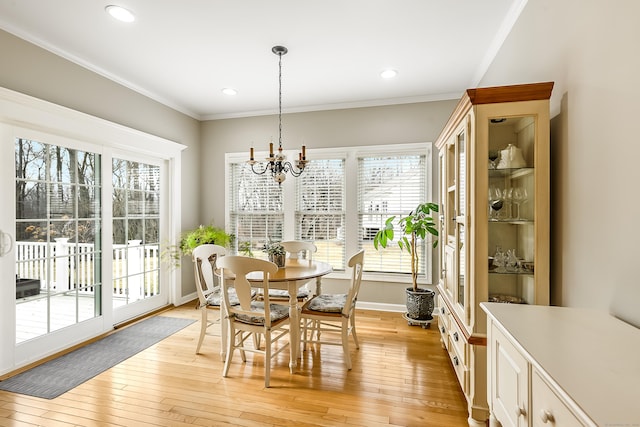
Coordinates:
[389,185]
[256,210]
[320,209]
[340,201]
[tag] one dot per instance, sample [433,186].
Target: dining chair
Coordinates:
[208,288]
[207,285]
[251,317]
[295,249]
[334,313]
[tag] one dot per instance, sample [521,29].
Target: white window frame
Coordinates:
[351,155]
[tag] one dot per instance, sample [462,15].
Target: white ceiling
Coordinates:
[182,53]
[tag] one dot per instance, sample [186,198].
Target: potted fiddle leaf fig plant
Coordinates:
[417,225]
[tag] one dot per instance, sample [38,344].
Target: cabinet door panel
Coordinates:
[510,384]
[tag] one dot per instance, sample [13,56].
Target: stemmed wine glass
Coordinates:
[496,202]
[520,196]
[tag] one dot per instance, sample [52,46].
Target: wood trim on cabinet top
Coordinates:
[514,93]
[491,95]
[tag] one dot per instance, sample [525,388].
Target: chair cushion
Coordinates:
[215,298]
[278,312]
[328,303]
[303,293]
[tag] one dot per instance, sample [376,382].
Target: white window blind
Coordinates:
[389,185]
[341,199]
[256,212]
[320,209]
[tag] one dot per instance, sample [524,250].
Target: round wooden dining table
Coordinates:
[291,277]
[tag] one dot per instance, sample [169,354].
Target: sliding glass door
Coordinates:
[58,237]
[85,205]
[136,228]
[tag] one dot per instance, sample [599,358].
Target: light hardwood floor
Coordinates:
[401,376]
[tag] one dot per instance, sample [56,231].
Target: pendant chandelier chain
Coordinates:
[280,101]
[277,164]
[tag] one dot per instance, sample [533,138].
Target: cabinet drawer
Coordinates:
[458,341]
[460,368]
[546,407]
[444,333]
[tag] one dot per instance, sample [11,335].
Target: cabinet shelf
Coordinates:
[510,273]
[511,173]
[512,221]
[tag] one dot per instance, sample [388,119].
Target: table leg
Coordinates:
[294,329]
[318,285]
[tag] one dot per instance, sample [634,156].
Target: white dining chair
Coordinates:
[330,313]
[208,289]
[252,317]
[207,285]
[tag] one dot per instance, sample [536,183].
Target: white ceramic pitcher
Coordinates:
[511,157]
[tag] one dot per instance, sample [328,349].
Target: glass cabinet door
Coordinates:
[461,200]
[511,208]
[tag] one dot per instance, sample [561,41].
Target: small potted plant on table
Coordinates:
[416,225]
[276,253]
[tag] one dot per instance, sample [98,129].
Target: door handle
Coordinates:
[5,248]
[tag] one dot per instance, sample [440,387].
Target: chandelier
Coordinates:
[277,163]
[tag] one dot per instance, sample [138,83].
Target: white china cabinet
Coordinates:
[494,221]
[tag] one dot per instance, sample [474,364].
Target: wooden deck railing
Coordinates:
[62,266]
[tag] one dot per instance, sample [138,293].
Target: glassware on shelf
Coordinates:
[499,260]
[507,195]
[496,202]
[511,261]
[520,197]
[493,156]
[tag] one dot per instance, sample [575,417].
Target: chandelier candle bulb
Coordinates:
[271,149]
[304,153]
[251,153]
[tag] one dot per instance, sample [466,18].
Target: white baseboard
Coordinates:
[364,305]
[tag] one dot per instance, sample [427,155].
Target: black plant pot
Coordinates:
[420,304]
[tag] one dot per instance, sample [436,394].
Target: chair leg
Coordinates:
[303,336]
[243,355]
[267,358]
[203,327]
[231,347]
[345,343]
[353,329]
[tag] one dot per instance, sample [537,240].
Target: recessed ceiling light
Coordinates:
[229,91]
[120,13]
[388,74]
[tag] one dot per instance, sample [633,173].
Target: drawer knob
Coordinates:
[455,360]
[442,329]
[546,416]
[455,336]
[520,411]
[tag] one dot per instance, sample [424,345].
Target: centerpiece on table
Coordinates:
[276,253]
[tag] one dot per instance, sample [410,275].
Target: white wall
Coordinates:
[590,49]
